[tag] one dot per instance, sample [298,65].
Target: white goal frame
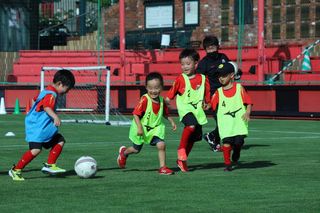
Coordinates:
[107,95]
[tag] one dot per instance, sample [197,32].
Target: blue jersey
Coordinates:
[39,125]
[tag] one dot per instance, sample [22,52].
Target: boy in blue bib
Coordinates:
[41,126]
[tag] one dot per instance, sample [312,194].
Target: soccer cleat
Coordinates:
[15,174]
[121,160]
[165,171]
[207,138]
[182,155]
[228,168]
[214,145]
[182,165]
[51,169]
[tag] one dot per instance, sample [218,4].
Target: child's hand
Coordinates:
[57,121]
[246,116]
[206,106]
[140,131]
[174,126]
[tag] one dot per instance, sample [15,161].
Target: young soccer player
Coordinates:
[147,126]
[233,106]
[193,96]
[208,67]
[41,126]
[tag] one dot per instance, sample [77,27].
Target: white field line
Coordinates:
[110,143]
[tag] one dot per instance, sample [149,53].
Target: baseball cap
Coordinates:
[227,68]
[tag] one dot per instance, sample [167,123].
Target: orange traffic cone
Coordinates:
[27,107]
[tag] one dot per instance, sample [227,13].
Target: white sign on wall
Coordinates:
[191,12]
[159,16]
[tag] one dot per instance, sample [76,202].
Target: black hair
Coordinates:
[65,77]
[209,41]
[192,53]
[154,75]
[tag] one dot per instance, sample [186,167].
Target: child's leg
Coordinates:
[28,156]
[125,152]
[56,145]
[226,154]
[237,146]
[161,153]
[186,134]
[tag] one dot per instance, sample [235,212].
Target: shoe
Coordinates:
[207,138]
[217,147]
[182,155]
[51,169]
[15,174]
[182,165]
[165,171]
[228,169]
[121,160]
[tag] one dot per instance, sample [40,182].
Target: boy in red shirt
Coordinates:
[233,106]
[193,96]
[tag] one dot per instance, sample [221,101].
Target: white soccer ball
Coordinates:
[86,167]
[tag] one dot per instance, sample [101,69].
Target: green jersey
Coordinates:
[229,114]
[152,124]
[191,101]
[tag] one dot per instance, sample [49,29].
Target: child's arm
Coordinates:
[173,124]
[139,125]
[246,115]
[53,115]
[206,103]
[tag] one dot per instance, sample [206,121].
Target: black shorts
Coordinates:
[190,120]
[55,140]
[238,139]
[153,142]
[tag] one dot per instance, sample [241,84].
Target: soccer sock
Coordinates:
[226,155]
[26,158]
[186,134]
[54,154]
[236,153]
[189,147]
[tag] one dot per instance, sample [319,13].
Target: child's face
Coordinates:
[61,89]
[154,88]
[188,65]
[226,79]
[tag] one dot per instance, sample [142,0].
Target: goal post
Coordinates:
[90,100]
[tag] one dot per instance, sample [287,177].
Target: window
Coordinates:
[305,30]
[290,2]
[276,2]
[318,12]
[276,31]
[276,15]
[225,34]
[291,14]
[305,1]
[225,5]
[191,12]
[305,13]
[290,31]
[247,11]
[318,29]
[158,14]
[224,18]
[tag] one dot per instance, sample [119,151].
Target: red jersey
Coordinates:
[48,100]
[230,93]
[140,109]
[179,87]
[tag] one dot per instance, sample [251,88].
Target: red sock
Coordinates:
[54,154]
[226,155]
[26,158]
[189,147]
[187,132]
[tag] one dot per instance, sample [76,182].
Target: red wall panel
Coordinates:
[133,97]
[263,100]
[23,95]
[309,101]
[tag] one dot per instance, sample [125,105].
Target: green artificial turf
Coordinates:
[279,172]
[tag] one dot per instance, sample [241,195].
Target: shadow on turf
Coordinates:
[249,146]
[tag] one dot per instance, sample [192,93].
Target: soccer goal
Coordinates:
[90,100]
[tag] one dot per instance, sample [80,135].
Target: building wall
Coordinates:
[286,21]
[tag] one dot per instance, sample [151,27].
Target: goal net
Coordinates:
[90,100]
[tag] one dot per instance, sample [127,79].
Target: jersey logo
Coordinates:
[195,105]
[188,93]
[148,128]
[233,114]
